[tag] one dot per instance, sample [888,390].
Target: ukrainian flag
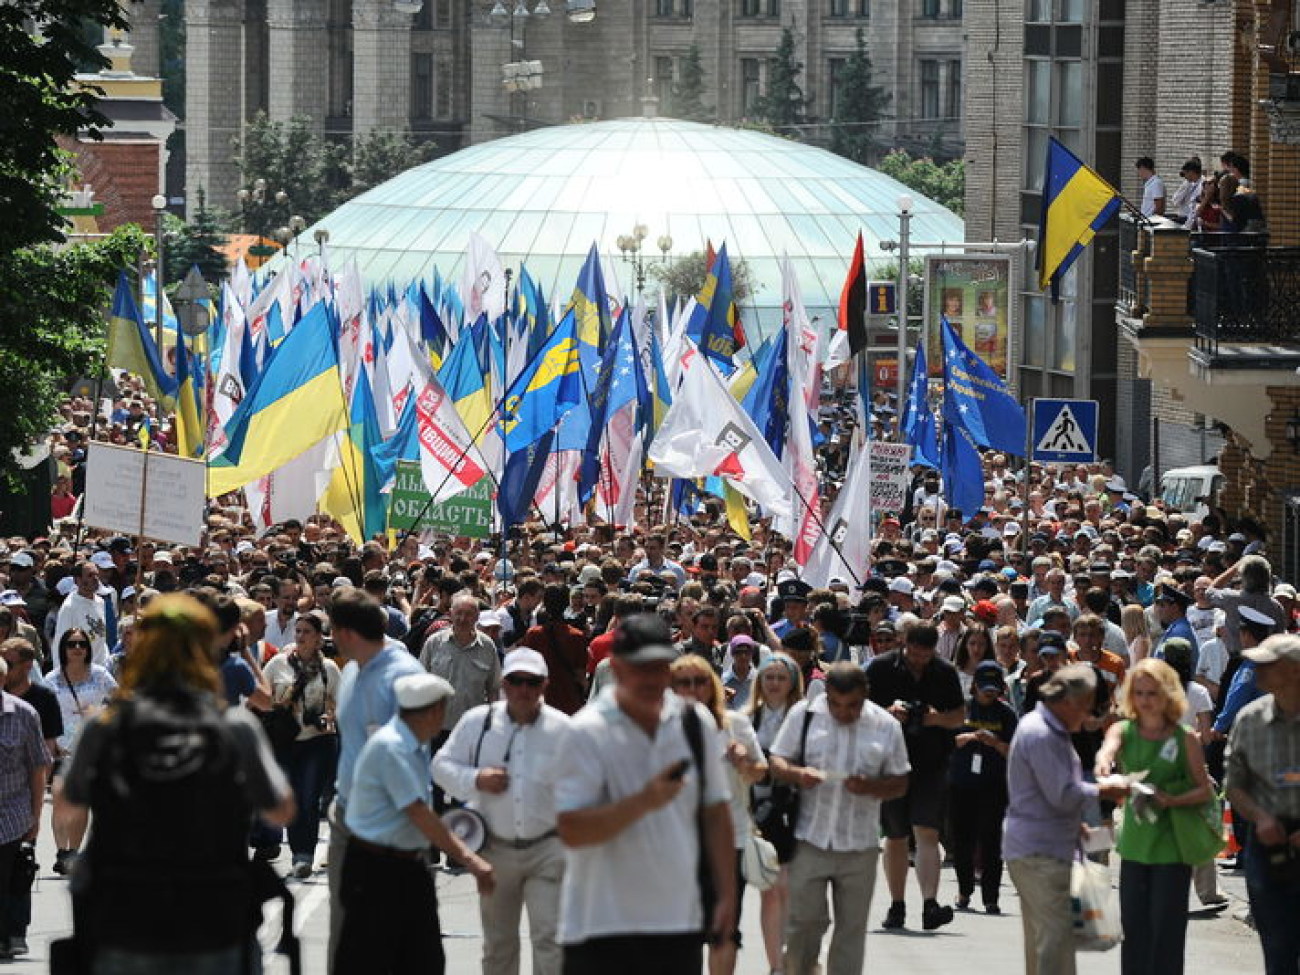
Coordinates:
[189,425]
[590,303]
[296,403]
[353,497]
[132,347]
[1076,204]
[463,378]
[547,389]
[714,325]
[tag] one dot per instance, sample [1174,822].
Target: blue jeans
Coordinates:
[1275,907]
[310,768]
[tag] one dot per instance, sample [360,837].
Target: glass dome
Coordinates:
[542,198]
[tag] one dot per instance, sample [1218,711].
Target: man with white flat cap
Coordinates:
[503,760]
[390,920]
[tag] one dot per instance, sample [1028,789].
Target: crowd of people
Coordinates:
[1222,201]
[637,724]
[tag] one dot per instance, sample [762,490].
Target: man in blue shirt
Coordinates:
[366,702]
[1171,610]
[391,921]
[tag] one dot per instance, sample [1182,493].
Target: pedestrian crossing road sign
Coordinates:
[1064,430]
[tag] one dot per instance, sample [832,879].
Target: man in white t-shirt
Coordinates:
[627,798]
[1153,188]
[847,755]
[83,609]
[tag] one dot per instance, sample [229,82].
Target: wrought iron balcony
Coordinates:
[1245,304]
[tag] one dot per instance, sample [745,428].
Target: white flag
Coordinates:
[848,527]
[482,282]
[801,361]
[705,432]
[449,461]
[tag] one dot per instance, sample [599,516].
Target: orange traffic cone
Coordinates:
[1233,848]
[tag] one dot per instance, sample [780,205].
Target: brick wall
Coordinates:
[124,175]
[992,114]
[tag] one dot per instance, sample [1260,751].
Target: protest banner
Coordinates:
[467,514]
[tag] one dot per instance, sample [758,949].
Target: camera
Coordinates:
[314,718]
[915,722]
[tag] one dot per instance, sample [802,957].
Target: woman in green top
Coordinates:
[1154,876]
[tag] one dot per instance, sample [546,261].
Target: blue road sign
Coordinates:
[1064,431]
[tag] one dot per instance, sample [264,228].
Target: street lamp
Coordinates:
[580,11]
[159,204]
[904,273]
[630,246]
[258,208]
[322,238]
[518,74]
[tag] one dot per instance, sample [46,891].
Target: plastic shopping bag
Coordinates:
[1095,907]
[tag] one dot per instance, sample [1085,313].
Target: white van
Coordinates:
[1188,488]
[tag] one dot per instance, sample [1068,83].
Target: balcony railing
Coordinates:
[1128,244]
[1245,295]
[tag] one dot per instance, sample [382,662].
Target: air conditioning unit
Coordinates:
[591,108]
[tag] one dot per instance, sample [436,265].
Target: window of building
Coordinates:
[751,84]
[422,86]
[835,86]
[838,8]
[954,9]
[952,103]
[1069,87]
[688,9]
[929,89]
[663,8]
[340,77]
[930,9]
[1069,11]
[774,8]
[664,81]
[423,20]
[864,8]
[750,8]
[1038,11]
[442,86]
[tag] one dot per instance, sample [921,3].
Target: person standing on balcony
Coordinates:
[1187,198]
[1153,188]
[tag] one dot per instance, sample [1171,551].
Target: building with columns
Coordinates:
[355,66]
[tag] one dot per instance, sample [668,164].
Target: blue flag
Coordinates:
[918,422]
[519,481]
[546,389]
[715,322]
[767,401]
[980,399]
[963,473]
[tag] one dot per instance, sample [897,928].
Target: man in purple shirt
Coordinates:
[1041,831]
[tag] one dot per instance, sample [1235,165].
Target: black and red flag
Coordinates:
[853,302]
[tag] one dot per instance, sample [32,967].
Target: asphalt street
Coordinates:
[1215,941]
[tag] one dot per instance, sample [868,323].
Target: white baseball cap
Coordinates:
[421,691]
[525,661]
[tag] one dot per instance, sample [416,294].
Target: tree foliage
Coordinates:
[52,327]
[171,55]
[196,243]
[783,103]
[861,105]
[684,277]
[42,101]
[314,174]
[944,183]
[688,93]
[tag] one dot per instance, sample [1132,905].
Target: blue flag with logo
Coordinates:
[918,422]
[519,482]
[980,399]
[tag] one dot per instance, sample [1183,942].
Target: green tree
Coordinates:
[380,156]
[944,183]
[52,328]
[196,243]
[861,105]
[171,55]
[783,103]
[688,93]
[42,101]
[685,276]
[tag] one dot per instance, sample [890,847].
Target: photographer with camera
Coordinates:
[923,692]
[304,685]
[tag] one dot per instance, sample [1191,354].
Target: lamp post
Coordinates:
[258,207]
[904,275]
[518,74]
[159,204]
[630,246]
[322,238]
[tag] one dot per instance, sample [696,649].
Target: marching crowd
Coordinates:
[626,728]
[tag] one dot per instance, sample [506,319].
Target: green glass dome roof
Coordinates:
[542,198]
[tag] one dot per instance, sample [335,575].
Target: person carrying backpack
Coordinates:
[173,778]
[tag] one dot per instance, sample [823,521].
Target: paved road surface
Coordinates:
[1216,942]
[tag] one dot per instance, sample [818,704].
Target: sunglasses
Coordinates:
[697,680]
[78,643]
[516,680]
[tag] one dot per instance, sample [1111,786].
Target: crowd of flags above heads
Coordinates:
[309,388]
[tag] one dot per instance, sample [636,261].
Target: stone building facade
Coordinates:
[354,66]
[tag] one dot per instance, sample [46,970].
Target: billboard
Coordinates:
[974,292]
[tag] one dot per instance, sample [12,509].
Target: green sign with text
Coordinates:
[468,513]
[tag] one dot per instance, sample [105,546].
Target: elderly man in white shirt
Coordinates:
[503,759]
[847,755]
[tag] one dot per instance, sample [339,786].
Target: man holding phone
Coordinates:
[642,803]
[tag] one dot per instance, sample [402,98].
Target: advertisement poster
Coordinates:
[974,292]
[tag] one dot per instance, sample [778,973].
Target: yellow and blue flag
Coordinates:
[590,303]
[976,398]
[767,401]
[132,347]
[462,376]
[353,496]
[189,426]
[1076,204]
[296,402]
[714,325]
[545,391]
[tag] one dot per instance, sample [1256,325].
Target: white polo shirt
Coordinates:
[644,880]
[831,817]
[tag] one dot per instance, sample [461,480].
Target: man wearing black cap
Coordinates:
[1171,610]
[793,594]
[641,795]
[977,799]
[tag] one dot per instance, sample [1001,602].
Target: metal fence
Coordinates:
[1245,295]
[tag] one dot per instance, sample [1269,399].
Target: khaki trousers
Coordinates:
[1043,884]
[529,877]
[851,877]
